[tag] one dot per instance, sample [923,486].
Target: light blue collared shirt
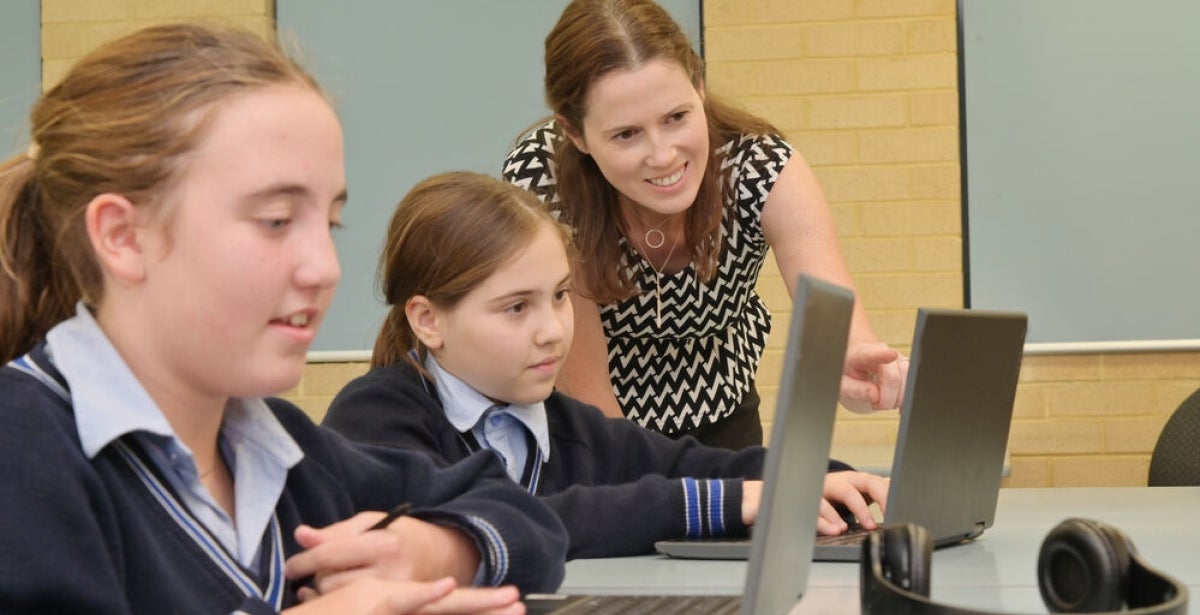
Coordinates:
[110,402]
[465,407]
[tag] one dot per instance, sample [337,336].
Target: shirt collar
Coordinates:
[110,402]
[464,406]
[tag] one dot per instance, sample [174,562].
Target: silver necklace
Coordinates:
[658,280]
[659,238]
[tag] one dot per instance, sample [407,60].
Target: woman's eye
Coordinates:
[624,135]
[276,223]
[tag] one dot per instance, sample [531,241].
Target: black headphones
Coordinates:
[1084,567]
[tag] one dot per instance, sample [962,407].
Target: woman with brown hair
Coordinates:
[675,198]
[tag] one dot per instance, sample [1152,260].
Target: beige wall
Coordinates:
[867,91]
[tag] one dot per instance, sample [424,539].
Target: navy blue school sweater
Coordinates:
[90,536]
[616,486]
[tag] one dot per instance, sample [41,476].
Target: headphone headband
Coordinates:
[1084,566]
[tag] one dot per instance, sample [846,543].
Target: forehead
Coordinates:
[540,261]
[275,134]
[653,88]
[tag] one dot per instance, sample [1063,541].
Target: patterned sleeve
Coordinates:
[530,164]
[755,162]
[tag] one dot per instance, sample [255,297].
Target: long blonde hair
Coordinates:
[122,121]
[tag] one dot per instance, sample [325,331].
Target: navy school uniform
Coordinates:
[617,486]
[108,534]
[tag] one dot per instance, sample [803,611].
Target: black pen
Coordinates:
[392,515]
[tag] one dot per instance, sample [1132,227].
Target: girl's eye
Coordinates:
[676,117]
[276,223]
[561,295]
[515,309]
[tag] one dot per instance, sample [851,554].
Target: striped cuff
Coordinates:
[493,568]
[703,507]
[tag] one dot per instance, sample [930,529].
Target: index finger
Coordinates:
[334,555]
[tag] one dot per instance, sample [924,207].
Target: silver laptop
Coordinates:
[777,570]
[954,424]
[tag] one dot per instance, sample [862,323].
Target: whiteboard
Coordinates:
[1082,166]
[20,71]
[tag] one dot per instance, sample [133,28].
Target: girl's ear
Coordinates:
[425,320]
[574,135]
[113,226]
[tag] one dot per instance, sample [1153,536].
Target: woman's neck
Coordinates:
[650,232]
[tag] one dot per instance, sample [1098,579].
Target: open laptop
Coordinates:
[954,423]
[777,570]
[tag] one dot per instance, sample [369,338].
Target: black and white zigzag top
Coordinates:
[697,366]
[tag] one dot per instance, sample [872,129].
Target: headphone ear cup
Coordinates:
[1083,566]
[906,557]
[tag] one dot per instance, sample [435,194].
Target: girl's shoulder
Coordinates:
[31,387]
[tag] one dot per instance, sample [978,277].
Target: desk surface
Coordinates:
[997,571]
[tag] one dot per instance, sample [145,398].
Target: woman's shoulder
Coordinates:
[754,162]
[756,147]
[530,164]
[543,136]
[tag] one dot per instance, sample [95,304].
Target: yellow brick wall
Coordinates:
[71,28]
[867,91]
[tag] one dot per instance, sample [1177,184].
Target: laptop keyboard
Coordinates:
[657,605]
[851,537]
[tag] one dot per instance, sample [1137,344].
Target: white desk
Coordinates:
[997,571]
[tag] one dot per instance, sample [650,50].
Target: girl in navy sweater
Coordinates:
[478,276]
[166,257]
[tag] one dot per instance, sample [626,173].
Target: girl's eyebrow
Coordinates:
[523,293]
[292,190]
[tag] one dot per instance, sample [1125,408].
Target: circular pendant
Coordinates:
[659,238]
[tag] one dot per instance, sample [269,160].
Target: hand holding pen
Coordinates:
[306,581]
[391,516]
[410,549]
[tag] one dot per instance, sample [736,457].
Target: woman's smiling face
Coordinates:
[646,130]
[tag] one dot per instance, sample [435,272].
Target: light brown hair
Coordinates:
[122,121]
[591,39]
[448,235]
